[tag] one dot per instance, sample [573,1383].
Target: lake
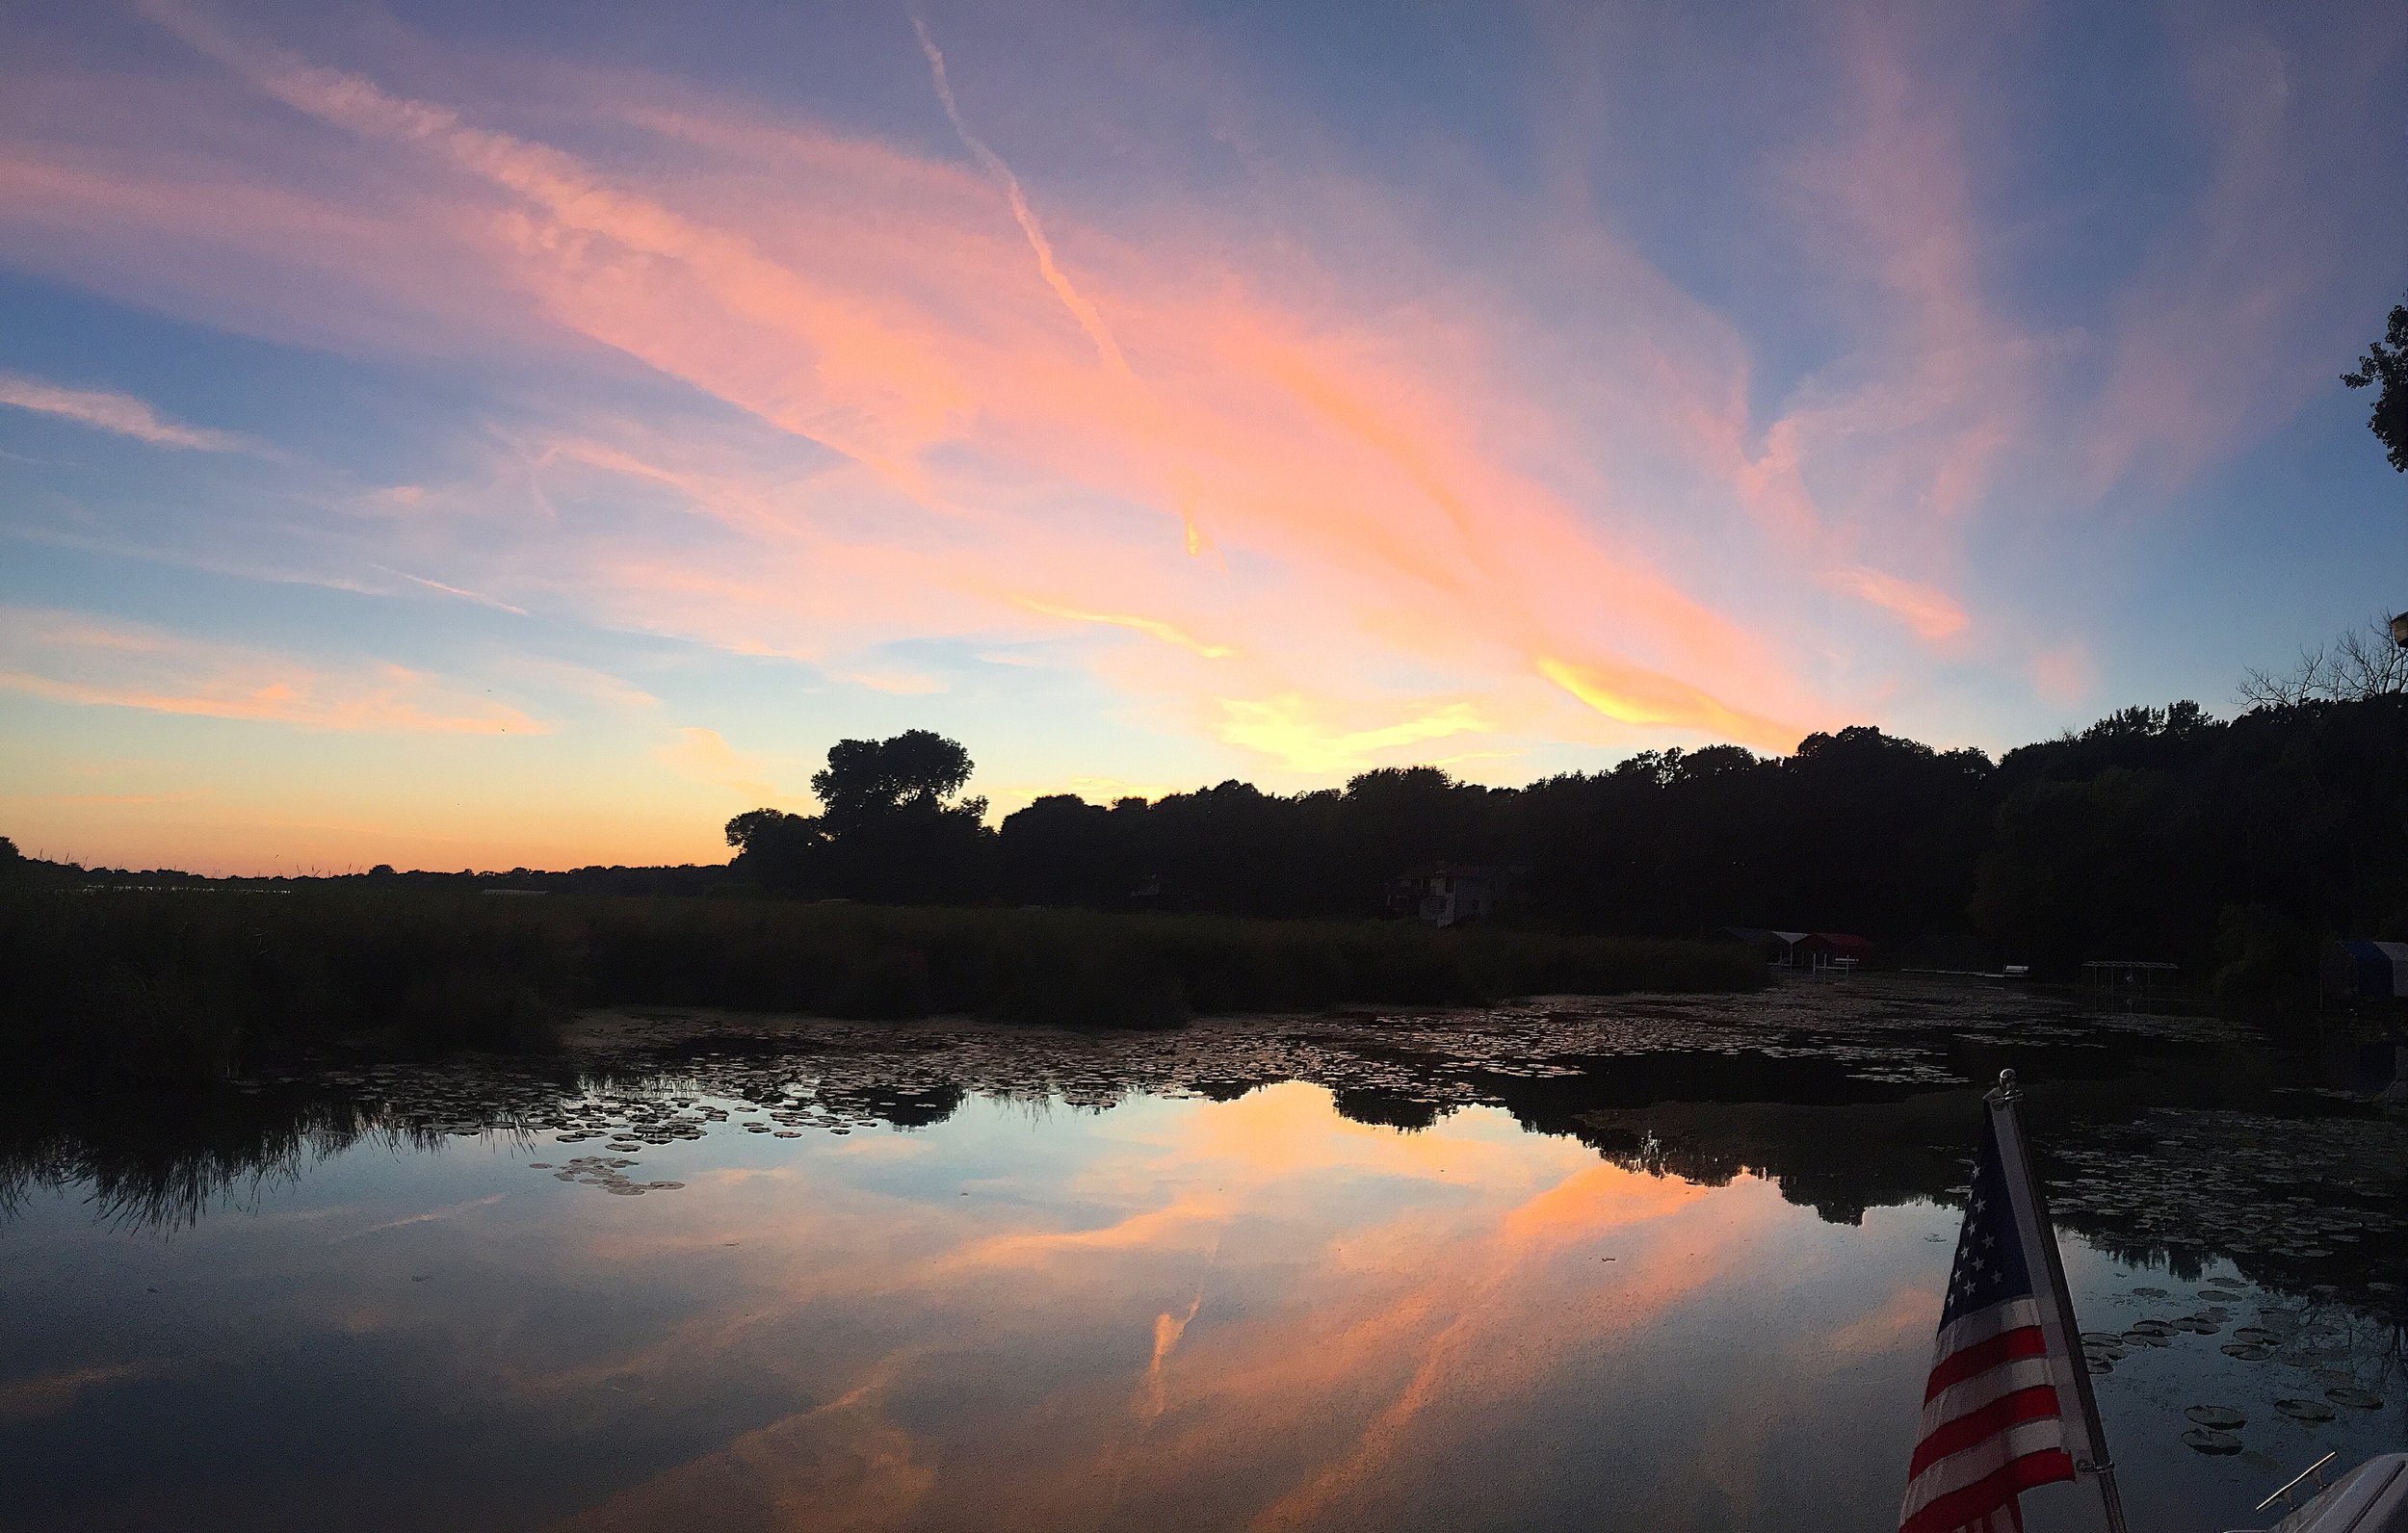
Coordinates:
[1641,1262]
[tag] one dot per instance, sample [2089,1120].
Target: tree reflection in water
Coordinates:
[1001,1277]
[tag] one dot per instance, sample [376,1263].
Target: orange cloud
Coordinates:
[1635,696]
[1286,729]
[1932,614]
[1152,628]
[705,756]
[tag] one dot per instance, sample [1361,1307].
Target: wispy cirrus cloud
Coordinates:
[1486,473]
[105,410]
[1151,626]
[68,658]
[1345,460]
[1932,614]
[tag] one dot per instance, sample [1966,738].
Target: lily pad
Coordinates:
[2248,1351]
[2208,1440]
[2357,1399]
[2305,1410]
[2222,1417]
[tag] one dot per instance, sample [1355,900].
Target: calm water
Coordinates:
[1619,1265]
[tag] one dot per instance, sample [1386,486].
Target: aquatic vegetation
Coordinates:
[183,985]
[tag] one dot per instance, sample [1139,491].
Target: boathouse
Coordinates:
[2365,971]
[1444,893]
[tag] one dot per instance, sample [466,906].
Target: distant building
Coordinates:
[1445,894]
[2130,978]
[1829,950]
[1772,946]
[2366,970]
[1804,949]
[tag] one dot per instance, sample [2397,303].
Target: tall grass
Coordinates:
[185,984]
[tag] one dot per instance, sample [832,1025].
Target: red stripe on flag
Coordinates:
[2037,1403]
[2024,1341]
[1969,1504]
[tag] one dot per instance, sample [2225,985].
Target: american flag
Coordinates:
[1993,1421]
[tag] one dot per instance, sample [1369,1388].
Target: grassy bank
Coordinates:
[183,984]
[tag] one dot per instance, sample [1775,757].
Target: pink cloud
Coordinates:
[106,412]
[1931,612]
[67,658]
[2064,676]
[1436,515]
[1349,467]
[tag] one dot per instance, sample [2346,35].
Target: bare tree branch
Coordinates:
[2362,662]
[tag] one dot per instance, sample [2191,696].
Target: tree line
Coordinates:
[2159,834]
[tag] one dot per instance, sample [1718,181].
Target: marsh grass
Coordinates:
[188,985]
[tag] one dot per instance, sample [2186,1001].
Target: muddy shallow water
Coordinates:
[1666,1264]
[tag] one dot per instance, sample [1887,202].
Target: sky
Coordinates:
[467,435]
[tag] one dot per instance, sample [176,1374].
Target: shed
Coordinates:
[2363,968]
[1829,950]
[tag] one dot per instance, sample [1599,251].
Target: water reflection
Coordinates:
[1527,1269]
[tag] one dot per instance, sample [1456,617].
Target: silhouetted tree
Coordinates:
[866,778]
[2385,369]
[776,849]
[887,828]
[1062,850]
[2362,662]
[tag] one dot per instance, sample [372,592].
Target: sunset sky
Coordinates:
[475,435]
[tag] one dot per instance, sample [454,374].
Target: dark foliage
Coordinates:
[2157,834]
[887,830]
[182,985]
[2385,369]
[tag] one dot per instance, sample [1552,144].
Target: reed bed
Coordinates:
[186,984]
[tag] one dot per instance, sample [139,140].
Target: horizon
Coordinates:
[997,814]
[448,439]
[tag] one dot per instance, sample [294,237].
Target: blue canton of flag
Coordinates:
[1990,1267]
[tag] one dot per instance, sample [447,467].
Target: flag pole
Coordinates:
[2031,1210]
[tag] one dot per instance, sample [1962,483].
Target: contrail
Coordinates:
[1089,321]
[1080,308]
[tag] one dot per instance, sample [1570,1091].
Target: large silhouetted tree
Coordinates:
[889,826]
